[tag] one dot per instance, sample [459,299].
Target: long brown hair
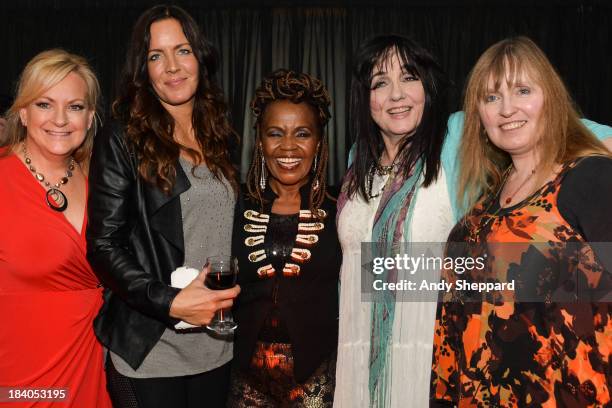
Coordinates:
[296,87]
[42,73]
[562,136]
[150,128]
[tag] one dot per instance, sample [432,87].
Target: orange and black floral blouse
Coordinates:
[540,353]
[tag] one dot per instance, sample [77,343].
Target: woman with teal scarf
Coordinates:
[400,187]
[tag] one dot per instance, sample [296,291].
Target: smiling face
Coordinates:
[172,66]
[57,121]
[397,99]
[511,114]
[290,136]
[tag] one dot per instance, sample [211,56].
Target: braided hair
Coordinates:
[297,88]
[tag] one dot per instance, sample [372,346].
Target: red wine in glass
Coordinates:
[220,280]
[222,274]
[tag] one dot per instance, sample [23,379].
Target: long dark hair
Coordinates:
[296,87]
[150,128]
[426,143]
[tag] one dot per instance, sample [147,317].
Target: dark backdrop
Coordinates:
[318,37]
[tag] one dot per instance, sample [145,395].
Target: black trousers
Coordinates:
[206,390]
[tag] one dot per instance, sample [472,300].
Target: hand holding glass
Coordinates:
[222,274]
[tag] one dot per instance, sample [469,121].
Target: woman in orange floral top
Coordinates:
[547,342]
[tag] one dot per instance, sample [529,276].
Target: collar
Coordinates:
[269,196]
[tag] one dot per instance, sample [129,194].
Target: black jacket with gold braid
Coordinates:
[306,289]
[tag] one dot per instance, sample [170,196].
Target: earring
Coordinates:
[315,184]
[263,175]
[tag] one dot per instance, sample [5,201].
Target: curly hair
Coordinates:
[297,88]
[149,126]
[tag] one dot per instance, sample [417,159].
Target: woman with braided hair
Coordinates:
[288,252]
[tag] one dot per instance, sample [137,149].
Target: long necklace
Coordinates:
[56,199]
[511,196]
[509,199]
[382,171]
[475,232]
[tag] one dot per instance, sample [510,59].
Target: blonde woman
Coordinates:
[49,295]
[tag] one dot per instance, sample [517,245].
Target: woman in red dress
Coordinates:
[49,295]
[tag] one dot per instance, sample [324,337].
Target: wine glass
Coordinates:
[222,275]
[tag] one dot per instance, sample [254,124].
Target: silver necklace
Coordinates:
[381,171]
[386,170]
[56,199]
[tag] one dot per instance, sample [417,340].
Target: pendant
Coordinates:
[56,200]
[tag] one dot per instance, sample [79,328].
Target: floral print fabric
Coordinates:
[525,354]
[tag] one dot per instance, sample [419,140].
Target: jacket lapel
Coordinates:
[165,210]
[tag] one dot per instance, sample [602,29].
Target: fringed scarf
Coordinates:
[391,222]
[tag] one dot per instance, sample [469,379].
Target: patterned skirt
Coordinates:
[270,382]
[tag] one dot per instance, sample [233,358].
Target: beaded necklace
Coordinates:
[56,199]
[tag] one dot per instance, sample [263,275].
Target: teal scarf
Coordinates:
[391,223]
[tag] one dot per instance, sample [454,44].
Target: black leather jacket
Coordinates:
[134,242]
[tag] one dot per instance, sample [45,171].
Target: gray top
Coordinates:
[208,213]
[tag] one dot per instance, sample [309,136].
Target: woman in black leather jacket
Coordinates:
[162,194]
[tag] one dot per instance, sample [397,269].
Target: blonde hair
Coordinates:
[43,72]
[562,136]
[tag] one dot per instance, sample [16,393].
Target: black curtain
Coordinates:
[255,37]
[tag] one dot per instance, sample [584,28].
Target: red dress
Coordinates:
[48,298]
